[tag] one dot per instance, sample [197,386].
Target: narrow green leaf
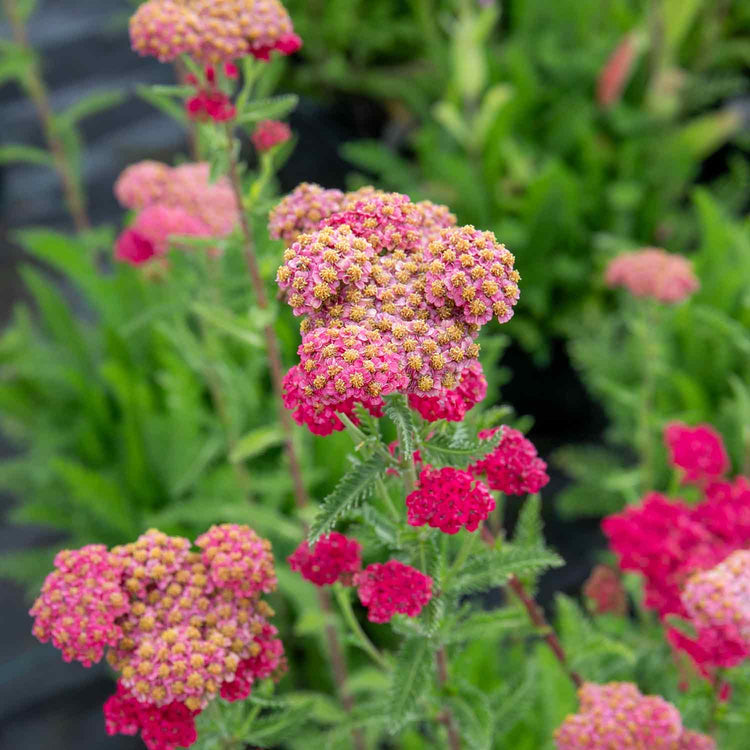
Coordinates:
[164,103]
[256,442]
[356,485]
[411,676]
[274,108]
[529,528]
[460,450]
[234,325]
[90,105]
[28,154]
[486,626]
[398,411]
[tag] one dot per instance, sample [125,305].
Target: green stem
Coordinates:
[383,490]
[342,597]
[647,330]
[360,439]
[463,553]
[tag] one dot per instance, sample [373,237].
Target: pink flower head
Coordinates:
[162,727]
[334,558]
[718,603]
[514,466]
[143,184]
[453,405]
[150,234]
[699,451]
[81,603]
[270,133]
[317,266]
[474,272]
[653,272]
[348,363]
[617,716]
[604,588]
[210,105]
[390,588]
[212,31]
[448,499]
[238,558]
[616,72]
[302,211]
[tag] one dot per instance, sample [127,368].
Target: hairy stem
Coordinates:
[37,90]
[273,351]
[367,645]
[446,716]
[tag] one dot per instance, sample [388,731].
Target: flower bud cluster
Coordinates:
[334,558]
[392,588]
[699,451]
[616,716]
[212,31]
[179,625]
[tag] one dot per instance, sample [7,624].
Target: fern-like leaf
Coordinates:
[397,410]
[460,449]
[411,676]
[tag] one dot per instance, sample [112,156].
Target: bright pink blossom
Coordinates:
[453,405]
[616,71]
[161,727]
[302,211]
[699,451]
[448,499]
[653,272]
[334,558]
[391,588]
[514,466]
[270,133]
[616,716]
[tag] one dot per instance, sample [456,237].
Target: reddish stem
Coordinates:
[454,738]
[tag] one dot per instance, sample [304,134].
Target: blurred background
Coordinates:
[574,130]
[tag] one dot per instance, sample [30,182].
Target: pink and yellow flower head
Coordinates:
[212,31]
[655,273]
[617,716]
[179,626]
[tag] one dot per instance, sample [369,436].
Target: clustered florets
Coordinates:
[655,273]
[334,558]
[453,405]
[392,588]
[514,466]
[699,451]
[394,296]
[212,31]
[605,591]
[616,716]
[270,133]
[448,499]
[181,626]
[171,201]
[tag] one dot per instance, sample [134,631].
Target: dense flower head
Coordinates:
[363,270]
[392,588]
[718,603]
[454,404]
[151,233]
[605,590]
[212,31]
[187,186]
[161,727]
[335,557]
[448,499]
[179,625]
[210,104]
[321,419]
[270,133]
[514,466]
[699,451]
[616,716]
[81,603]
[302,211]
[653,272]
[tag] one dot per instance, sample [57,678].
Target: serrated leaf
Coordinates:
[471,711]
[509,706]
[460,449]
[270,731]
[164,103]
[228,323]
[486,626]
[28,154]
[411,676]
[398,411]
[274,108]
[354,487]
[256,442]
[529,528]
[491,568]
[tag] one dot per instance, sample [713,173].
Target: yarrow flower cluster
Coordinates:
[393,294]
[209,102]
[655,273]
[181,627]
[718,603]
[514,466]
[448,499]
[334,558]
[605,590]
[699,451]
[302,211]
[453,405]
[270,133]
[392,588]
[171,201]
[212,31]
[616,716]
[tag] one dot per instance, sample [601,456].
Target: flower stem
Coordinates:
[272,345]
[441,663]
[37,90]
[342,597]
